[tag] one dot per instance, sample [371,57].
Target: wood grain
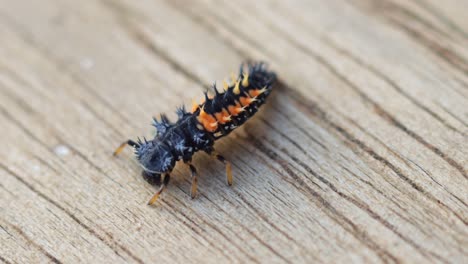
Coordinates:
[360,155]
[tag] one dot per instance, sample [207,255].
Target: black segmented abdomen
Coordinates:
[227,110]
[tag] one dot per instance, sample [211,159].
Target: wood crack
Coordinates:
[311,108]
[30,241]
[89,229]
[331,211]
[392,84]
[438,48]
[360,205]
[113,245]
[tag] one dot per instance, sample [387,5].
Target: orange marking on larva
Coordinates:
[208,121]
[219,117]
[255,93]
[223,117]
[195,106]
[245,101]
[211,127]
[235,109]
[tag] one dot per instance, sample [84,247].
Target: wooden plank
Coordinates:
[360,154]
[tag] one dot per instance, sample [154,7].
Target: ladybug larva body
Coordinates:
[214,118]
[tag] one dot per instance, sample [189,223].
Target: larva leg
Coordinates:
[228,166]
[155,197]
[193,171]
[123,145]
[151,178]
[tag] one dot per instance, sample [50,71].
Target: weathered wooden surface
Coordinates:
[360,155]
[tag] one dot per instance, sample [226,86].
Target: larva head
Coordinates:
[155,157]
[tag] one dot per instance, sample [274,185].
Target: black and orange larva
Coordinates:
[214,118]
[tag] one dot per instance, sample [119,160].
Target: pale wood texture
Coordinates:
[359,156]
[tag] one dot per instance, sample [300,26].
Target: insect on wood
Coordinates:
[197,130]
